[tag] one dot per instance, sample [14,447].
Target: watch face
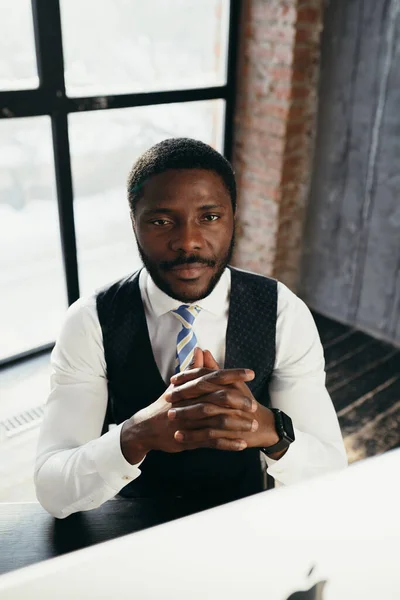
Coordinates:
[288,427]
[285,431]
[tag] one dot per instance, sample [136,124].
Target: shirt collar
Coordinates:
[160,303]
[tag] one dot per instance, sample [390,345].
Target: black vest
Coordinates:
[134,382]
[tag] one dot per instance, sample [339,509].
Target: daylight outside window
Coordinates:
[84,89]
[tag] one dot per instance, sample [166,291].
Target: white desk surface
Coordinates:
[345,525]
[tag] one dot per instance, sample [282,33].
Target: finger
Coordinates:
[189,375]
[193,411]
[192,374]
[197,360]
[197,411]
[209,361]
[196,364]
[206,383]
[222,376]
[210,438]
[201,416]
[226,397]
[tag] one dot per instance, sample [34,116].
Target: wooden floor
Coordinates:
[363,378]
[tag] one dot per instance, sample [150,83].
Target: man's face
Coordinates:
[184,227]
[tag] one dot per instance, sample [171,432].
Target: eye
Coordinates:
[212,218]
[159,222]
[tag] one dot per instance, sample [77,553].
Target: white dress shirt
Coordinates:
[78,469]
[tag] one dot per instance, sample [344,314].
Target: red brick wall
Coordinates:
[274,125]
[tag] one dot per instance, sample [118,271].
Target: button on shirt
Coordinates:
[77,468]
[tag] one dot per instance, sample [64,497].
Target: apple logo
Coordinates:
[313,593]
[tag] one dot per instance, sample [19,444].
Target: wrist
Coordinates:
[278,455]
[133,444]
[269,434]
[283,431]
[270,439]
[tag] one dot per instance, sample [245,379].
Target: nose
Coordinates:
[186,238]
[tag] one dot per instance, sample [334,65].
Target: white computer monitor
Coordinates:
[332,538]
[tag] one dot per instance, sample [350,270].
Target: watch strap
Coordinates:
[285,437]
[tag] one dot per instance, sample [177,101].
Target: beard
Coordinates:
[156,271]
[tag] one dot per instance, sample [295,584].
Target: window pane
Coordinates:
[32,291]
[104,146]
[121,46]
[17,46]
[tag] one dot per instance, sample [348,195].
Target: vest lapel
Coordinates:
[251,329]
[131,368]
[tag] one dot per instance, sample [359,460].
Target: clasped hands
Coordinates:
[204,407]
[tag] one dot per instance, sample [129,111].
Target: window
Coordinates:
[32,288]
[85,87]
[17,46]
[119,46]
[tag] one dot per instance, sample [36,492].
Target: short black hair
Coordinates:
[178,153]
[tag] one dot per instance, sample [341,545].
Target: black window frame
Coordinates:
[50,99]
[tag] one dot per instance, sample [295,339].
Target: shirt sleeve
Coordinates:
[298,388]
[76,467]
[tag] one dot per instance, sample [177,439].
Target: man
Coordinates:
[201,367]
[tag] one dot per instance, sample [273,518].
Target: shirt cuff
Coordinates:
[290,468]
[110,463]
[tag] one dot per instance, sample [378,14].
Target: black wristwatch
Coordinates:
[284,429]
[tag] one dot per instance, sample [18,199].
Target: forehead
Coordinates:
[177,186]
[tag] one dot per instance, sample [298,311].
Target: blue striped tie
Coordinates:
[186,341]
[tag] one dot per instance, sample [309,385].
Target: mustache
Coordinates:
[187,260]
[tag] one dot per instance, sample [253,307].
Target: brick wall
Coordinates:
[274,126]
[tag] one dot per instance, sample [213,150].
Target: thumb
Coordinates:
[197,360]
[209,361]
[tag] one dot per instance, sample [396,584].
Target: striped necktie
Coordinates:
[186,341]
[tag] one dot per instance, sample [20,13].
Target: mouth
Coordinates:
[191,271]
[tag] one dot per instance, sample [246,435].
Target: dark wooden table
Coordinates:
[28,534]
